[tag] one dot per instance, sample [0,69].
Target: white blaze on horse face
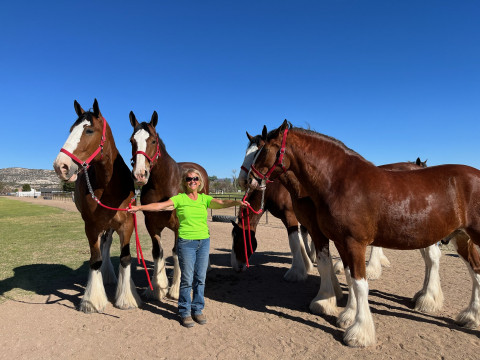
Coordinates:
[247,162]
[63,161]
[140,137]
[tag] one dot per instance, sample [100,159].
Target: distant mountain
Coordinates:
[36,178]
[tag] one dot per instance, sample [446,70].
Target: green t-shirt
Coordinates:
[192,215]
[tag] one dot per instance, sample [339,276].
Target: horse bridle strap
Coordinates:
[87,162]
[154,156]
[278,162]
[244,212]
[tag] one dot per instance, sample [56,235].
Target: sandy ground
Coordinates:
[254,315]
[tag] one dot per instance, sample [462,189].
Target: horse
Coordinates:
[278,202]
[300,207]
[359,204]
[429,299]
[102,178]
[160,176]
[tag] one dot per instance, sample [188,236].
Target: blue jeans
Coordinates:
[193,260]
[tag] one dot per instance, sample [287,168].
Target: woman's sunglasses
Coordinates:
[188,178]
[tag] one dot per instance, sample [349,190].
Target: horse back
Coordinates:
[190,165]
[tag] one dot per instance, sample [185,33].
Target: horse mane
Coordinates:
[322,137]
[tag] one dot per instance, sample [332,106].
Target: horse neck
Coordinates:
[164,170]
[317,162]
[104,168]
[255,201]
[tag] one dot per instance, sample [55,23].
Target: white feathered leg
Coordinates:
[159,281]
[470,317]
[362,331]
[347,316]
[301,264]
[374,267]
[95,298]
[325,302]
[174,291]
[430,298]
[126,296]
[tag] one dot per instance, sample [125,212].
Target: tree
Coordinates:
[68,186]
[26,187]
[234,177]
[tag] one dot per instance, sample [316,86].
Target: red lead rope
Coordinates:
[246,211]
[137,240]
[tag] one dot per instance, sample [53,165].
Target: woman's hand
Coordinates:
[244,203]
[134,209]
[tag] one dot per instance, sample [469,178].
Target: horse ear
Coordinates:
[284,125]
[418,162]
[250,137]
[264,133]
[133,119]
[78,108]
[96,109]
[235,225]
[154,119]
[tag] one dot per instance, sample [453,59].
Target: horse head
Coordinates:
[255,143]
[83,145]
[271,159]
[145,147]
[239,236]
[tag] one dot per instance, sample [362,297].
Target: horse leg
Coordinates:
[375,262]
[159,279]
[309,245]
[469,252]
[362,332]
[108,273]
[174,291]
[95,298]
[126,296]
[430,298]
[299,270]
[325,302]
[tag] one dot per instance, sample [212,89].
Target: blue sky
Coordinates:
[393,80]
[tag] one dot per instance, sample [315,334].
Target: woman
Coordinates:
[193,245]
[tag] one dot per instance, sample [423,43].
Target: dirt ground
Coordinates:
[252,315]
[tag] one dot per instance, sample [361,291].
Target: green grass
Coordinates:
[44,248]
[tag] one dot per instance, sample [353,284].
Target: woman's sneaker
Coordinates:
[200,319]
[187,322]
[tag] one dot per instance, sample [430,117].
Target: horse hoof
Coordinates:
[88,308]
[295,276]
[468,320]
[155,294]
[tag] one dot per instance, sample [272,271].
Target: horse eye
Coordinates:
[89,131]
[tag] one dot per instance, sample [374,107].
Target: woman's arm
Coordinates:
[224,203]
[160,206]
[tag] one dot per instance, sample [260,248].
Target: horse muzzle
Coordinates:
[65,171]
[140,178]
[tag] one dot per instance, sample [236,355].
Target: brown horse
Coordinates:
[160,176]
[278,202]
[358,204]
[298,206]
[91,145]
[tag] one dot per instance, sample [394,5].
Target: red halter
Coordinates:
[278,162]
[154,157]
[87,162]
